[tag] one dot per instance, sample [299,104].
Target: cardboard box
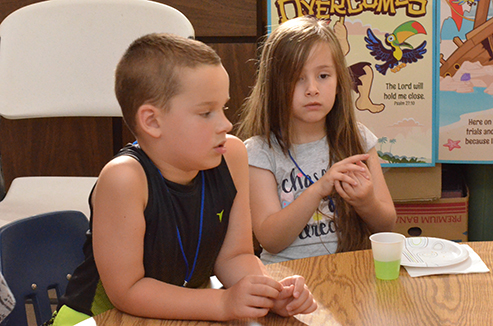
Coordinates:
[445,218]
[415,183]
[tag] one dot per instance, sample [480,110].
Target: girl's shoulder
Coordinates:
[362,128]
[256,141]
[261,142]
[368,137]
[259,146]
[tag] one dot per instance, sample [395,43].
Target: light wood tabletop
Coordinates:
[348,293]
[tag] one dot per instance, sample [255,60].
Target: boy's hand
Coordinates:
[295,298]
[252,297]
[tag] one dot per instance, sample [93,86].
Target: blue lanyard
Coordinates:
[331,202]
[189,273]
[298,167]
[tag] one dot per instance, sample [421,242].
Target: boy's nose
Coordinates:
[229,125]
[226,125]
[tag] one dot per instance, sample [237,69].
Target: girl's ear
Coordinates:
[148,120]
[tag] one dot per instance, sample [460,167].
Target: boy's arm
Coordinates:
[236,261]
[119,201]
[236,258]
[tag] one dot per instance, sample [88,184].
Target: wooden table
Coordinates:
[348,293]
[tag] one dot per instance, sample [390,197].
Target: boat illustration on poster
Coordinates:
[465,115]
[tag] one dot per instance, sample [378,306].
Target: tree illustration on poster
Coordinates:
[390,50]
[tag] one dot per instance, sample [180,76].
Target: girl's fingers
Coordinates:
[366,173]
[356,158]
[344,167]
[363,165]
[348,178]
[341,191]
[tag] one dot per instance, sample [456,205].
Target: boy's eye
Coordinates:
[205,114]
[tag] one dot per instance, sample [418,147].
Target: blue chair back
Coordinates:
[37,254]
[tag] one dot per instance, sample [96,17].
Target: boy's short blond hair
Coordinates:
[148,72]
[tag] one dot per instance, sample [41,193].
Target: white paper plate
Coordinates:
[431,252]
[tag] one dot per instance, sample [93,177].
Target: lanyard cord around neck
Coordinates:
[298,167]
[188,275]
[331,202]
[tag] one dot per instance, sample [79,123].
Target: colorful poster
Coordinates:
[465,114]
[389,47]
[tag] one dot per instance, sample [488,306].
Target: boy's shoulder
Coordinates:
[236,155]
[234,144]
[233,140]
[122,181]
[119,166]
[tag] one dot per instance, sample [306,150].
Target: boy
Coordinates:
[172,209]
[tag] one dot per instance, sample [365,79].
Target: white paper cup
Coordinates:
[387,250]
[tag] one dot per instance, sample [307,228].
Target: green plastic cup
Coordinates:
[387,250]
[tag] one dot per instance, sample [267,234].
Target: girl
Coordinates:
[316,185]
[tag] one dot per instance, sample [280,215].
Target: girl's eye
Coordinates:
[324,76]
[205,114]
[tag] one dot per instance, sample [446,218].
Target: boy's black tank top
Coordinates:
[170,206]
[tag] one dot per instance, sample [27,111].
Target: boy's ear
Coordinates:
[148,119]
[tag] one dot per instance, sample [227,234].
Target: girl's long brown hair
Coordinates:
[267,110]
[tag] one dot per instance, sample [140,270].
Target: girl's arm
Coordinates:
[277,228]
[119,201]
[370,197]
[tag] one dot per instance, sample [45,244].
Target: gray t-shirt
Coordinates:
[318,237]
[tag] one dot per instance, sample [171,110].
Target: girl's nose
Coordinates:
[311,89]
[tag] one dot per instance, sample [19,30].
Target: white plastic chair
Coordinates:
[57,59]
